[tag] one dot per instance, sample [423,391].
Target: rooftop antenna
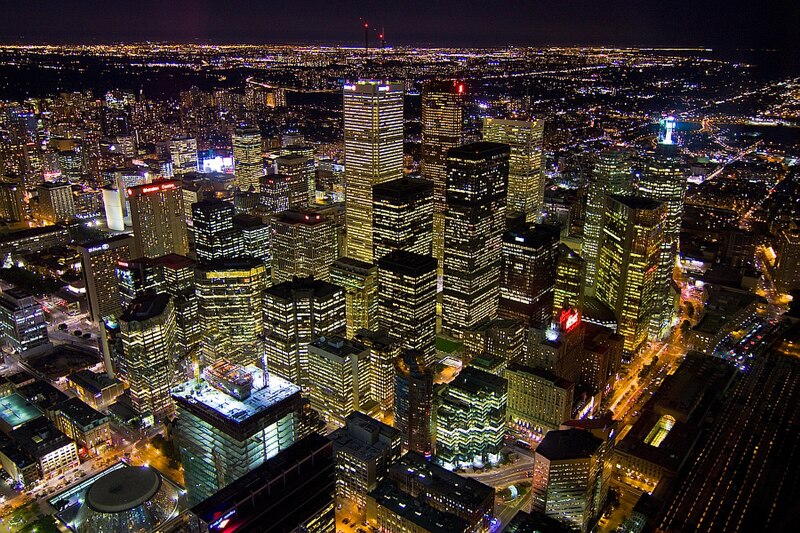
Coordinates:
[366,37]
[381,36]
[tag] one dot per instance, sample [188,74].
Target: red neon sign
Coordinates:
[568,319]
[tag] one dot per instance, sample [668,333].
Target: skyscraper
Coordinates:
[177,275]
[383,351]
[232,420]
[280,192]
[407,300]
[300,169]
[442,129]
[628,262]
[303,244]
[373,152]
[413,402]
[402,216]
[528,274]
[214,234]
[23,326]
[538,400]
[360,283]
[98,262]
[148,351]
[56,203]
[248,166]
[477,177]
[526,169]
[611,175]
[183,151]
[12,207]
[157,213]
[295,313]
[570,280]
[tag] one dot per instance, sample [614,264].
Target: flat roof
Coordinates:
[567,444]
[15,410]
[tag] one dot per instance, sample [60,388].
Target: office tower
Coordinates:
[787,266]
[248,166]
[558,347]
[501,338]
[214,234]
[232,419]
[390,509]
[628,262]
[177,275]
[526,169]
[402,216]
[407,300]
[567,477]
[98,262]
[413,402]
[602,358]
[373,154]
[442,129]
[528,274]
[538,400]
[230,306]
[338,378]
[280,192]
[363,450]
[148,343]
[477,177]
[360,283]
[383,351]
[469,417]
[303,244]
[295,313]
[611,175]
[304,474]
[570,280]
[23,325]
[256,237]
[12,207]
[137,277]
[183,151]
[159,224]
[56,203]
[300,169]
[446,491]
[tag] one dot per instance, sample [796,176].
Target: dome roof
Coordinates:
[123,489]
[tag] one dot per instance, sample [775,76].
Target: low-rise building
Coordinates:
[96,389]
[80,422]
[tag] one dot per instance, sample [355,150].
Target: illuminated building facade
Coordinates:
[23,325]
[360,282]
[183,151]
[538,400]
[413,402]
[383,351]
[611,175]
[477,177]
[214,234]
[56,203]
[407,300]
[526,170]
[303,244]
[300,169]
[570,280]
[528,274]
[148,334]
[442,129]
[221,437]
[390,509]
[158,217]
[280,192]
[12,207]
[470,419]
[256,237]
[502,338]
[402,216]
[98,261]
[373,152]
[248,166]
[230,306]
[628,263]
[559,346]
[787,267]
[295,313]
[338,378]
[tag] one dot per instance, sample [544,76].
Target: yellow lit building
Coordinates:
[248,166]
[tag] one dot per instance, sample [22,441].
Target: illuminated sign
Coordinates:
[349,87]
[460,88]
[568,319]
[157,188]
[98,248]
[223,520]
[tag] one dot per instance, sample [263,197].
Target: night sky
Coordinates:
[715,23]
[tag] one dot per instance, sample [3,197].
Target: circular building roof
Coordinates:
[123,489]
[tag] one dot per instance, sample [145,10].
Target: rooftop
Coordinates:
[387,494]
[403,188]
[92,381]
[82,414]
[478,150]
[567,444]
[286,289]
[364,437]
[15,410]
[405,262]
[145,307]
[636,202]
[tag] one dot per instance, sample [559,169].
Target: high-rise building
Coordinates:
[303,244]
[148,351]
[300,169]
[280,192]
[159,224]
[295,313]
[526,169]
[407,300]
[570,280]
[528,274]
[787,266]
[256,237]
[383,351]
[12,207]
[177,275]
[558,347]
[477,177]
[567,477]
[23,326]
[501,337]
[230,306]
[231,420]
[413,402]
[611,175]
[183,151]
[214,234]
[442,129]
[360,283]
[363,450]
[373,153]
[469,417]
[628,262]
[538,400]
[402,216]
[390,509]
[338,378]
[248,165]
[98,261]
[56,203]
